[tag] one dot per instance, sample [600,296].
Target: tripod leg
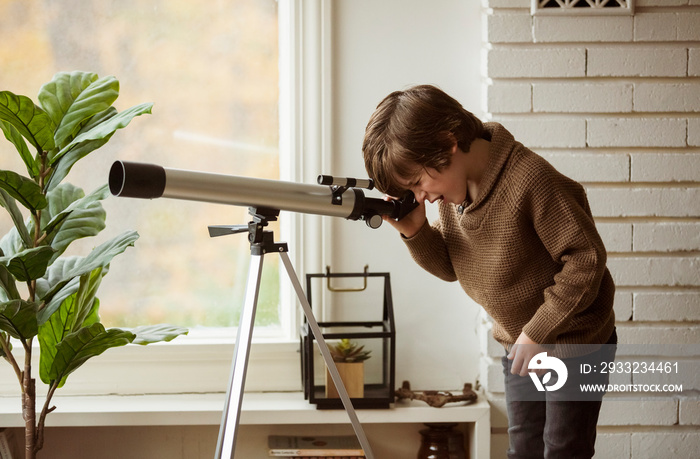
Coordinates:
[228,431]
[335,376]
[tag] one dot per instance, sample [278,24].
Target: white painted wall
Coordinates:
[614,102]
[379,47]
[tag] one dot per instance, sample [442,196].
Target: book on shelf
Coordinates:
[325,457]
[345,446]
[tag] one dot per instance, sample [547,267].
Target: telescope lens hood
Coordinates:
[136,180]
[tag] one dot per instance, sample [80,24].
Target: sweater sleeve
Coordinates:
[428,249]
[562,220]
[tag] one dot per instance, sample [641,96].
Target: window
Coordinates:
[211,70]
[199,362]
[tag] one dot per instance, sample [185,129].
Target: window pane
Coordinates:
[210,68]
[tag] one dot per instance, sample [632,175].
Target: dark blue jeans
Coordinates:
[555,425]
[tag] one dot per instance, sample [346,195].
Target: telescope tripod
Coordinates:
[262,242]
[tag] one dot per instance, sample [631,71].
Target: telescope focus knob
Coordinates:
[374,221]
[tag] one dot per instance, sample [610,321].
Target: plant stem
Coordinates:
[29,383]
[29,406]
[42,417]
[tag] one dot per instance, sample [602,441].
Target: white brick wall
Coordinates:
[667,307]
[637,132]
[642,61]
[547,132]
[667,97]
[510,98]
[592,29]
[590,167]
[613,445]
[527,62]
[681,26]
[582,97]
[614,102]
[694,132]
[676,445]
[666,237]
[694,62]
[639,412]
[665,167]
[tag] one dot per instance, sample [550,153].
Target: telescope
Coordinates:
[336,197]
[340,197]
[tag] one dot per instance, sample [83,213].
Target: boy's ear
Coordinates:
[455,146]
[453,139]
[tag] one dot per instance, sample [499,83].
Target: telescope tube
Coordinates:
[149,181]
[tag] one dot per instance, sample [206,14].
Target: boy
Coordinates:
[517,235]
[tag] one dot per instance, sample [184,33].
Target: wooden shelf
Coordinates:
[283,408]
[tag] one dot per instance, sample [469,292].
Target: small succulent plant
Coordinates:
[348,352]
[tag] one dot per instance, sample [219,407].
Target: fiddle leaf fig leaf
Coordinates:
[54,300]
[14,136]
[113,123]
[73,215]
[85,298]
[18,318]
[59,199]
[74,98]
[54,274]
[105,124]
[29,264]
[77,311]
[8,285]
[30,120]
[9,203]
[11,243]
[93,135]
[51,333]
[100,256]
[57,96]
[78,347]
[3,336]
[24,190]
[148,334]
[69,157]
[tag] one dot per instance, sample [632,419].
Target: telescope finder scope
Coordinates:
[347,182]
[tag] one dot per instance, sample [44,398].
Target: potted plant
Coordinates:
[349,358]
[45,296]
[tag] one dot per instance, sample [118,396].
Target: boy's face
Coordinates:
[449,184]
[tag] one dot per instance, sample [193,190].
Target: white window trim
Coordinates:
[201,362]
[305,117]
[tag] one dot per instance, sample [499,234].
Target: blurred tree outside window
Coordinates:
[211,70]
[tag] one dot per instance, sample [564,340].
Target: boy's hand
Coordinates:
[411,223]
[522,352]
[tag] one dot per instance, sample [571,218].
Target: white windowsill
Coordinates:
[205,409]
[189,364]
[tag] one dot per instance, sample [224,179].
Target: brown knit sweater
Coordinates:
[526,249]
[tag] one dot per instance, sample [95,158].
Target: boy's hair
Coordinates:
[412,130]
